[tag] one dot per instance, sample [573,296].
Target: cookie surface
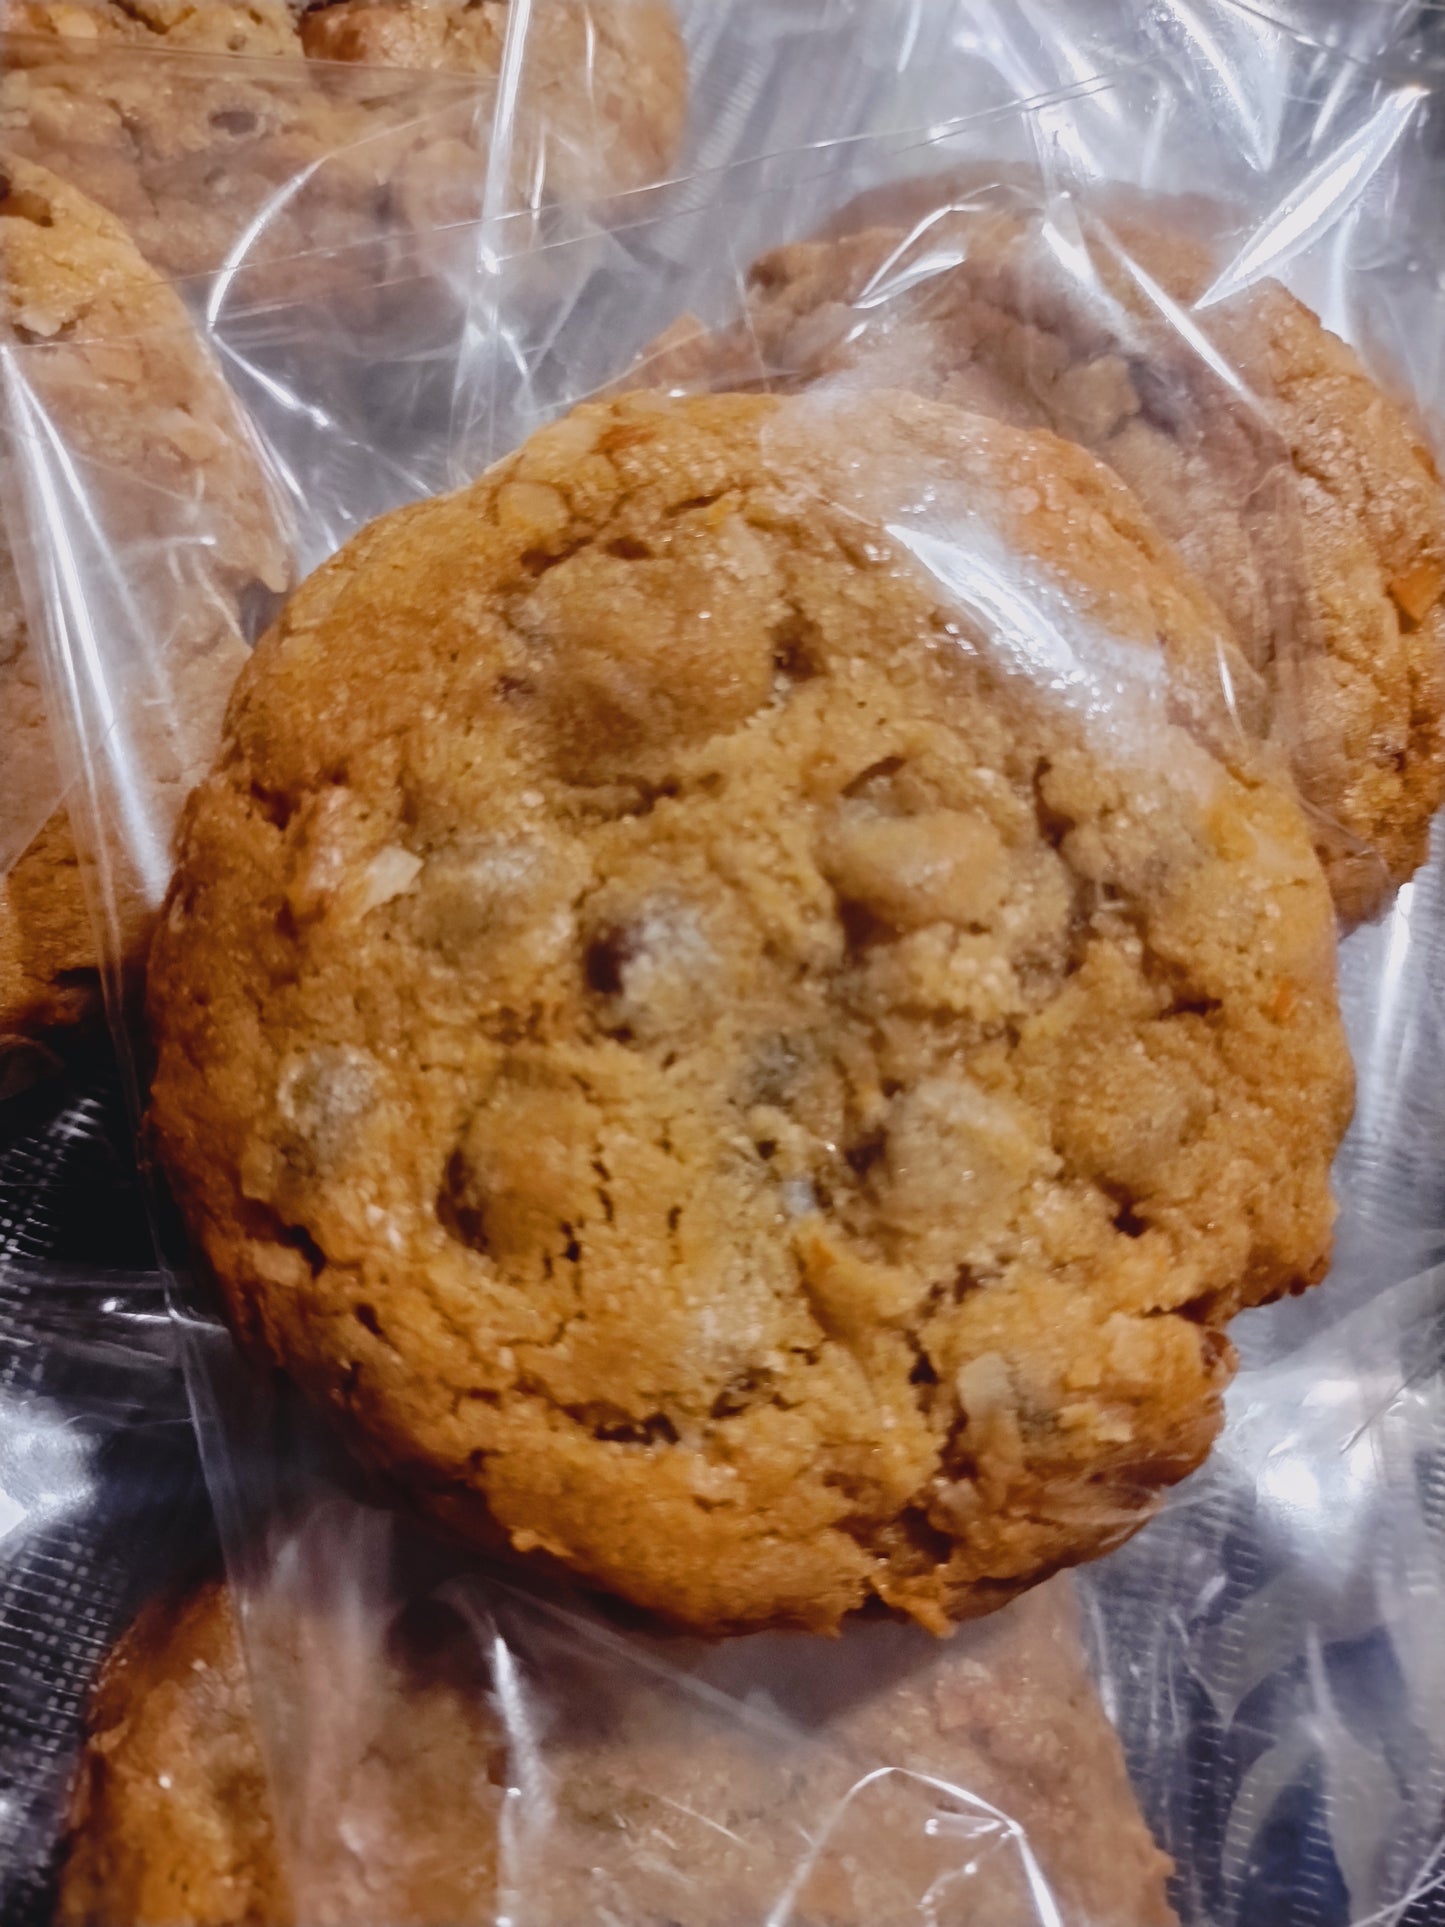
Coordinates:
[665,1808]
[1301,493]
[750,1038]
[148,422]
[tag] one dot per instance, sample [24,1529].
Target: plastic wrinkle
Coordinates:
[995,1823]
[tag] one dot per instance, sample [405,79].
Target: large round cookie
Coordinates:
[667,1808]
[149,425]
[722,1013]
[1300,492]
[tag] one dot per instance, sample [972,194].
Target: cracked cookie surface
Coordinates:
[1300,492]
[734,1012]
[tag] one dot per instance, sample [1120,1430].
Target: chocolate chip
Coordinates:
[608,955]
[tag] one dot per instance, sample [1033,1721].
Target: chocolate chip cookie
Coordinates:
[663,1805]
[740,1012]
[1302,494]
[290,156]
[149,424]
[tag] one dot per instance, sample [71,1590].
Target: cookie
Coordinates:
[148,423]
[1302,494]
[171,1812]
[256,27]
[665,1806]
[294,157]
[32,781]
[188,151]
[48,961]
[750,1039]
[602,94]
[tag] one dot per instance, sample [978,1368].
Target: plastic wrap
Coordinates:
[492,1756]
[1268,1646]
[101,1486]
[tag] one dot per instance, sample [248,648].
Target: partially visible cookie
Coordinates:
[137,392]
[197,156]
[32,781]
[653,1804]
[159,445]
[170,1818]
[201,26]
[48,957]
[603,83]
[194,150]
[1302,494]
[739,1010]
[49,952]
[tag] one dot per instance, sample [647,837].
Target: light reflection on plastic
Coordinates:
[1321,1471]
[1188,330]
[1252,63]
[1290,1483]
[44,1463]
[1391,996]
[527,1809]
[889,282]
[1322,197]
[1030,622]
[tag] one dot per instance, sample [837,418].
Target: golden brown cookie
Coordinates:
[148,424]
[665,1806]
[1301,493]
[732,1014]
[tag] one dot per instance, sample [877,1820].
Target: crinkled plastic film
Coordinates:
[1269,1646]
